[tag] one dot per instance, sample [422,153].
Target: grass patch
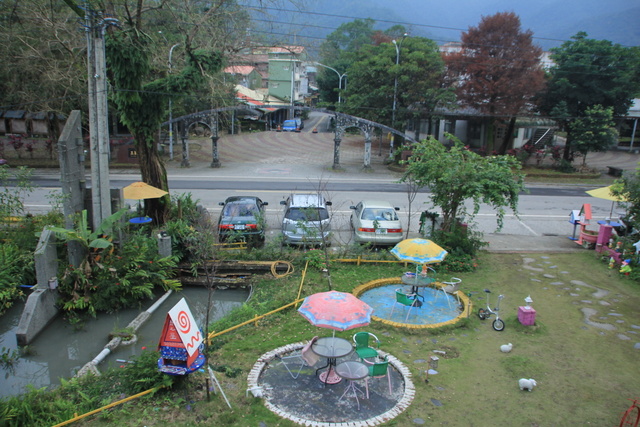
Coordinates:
[573,363]
[522,367]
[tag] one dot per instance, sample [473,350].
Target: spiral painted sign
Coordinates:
[186,326]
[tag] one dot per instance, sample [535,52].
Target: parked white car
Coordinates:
[376,222]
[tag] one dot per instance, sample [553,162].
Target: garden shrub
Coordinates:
[184,240]
[184,207]
[119,278]
[458,262]
[16,268]
[460,240]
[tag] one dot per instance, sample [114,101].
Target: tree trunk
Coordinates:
[566,155]
[153,173]
[449,217]
[508,137]
[489,132]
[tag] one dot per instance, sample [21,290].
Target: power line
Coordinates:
[330,15]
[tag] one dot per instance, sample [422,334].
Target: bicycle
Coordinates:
[483,314]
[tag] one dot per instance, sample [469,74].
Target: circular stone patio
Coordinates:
[307,401]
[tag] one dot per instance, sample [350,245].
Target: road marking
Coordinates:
[528,228]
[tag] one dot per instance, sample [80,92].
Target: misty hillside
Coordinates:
[551,21]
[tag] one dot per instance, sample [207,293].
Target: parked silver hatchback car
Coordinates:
[306,220]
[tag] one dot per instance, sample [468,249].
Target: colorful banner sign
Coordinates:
[186,326]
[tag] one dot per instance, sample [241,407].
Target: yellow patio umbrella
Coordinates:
[419,251]
[142,190]
[606,194]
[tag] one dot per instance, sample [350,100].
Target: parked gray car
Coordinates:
[306,220]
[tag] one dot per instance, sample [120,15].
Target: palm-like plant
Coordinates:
[93,243]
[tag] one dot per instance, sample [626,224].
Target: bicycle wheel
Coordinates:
[482,313]
[498,325]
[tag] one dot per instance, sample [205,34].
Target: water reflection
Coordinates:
[60,350]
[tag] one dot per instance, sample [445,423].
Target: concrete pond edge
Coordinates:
[464,299]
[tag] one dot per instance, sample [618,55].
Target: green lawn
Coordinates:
[585,374]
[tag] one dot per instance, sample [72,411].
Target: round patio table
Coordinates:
[352,370]
[417,281]
[332,348]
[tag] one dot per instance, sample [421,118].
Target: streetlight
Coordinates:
[340,76]
[170,106]
[395,82]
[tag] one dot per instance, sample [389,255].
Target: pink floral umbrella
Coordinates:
[335,310]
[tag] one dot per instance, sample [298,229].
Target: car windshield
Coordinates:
[307,214]
[240,209]
[379,214]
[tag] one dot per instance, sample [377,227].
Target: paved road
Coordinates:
[279,162]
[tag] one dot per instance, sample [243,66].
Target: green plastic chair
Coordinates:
[405,301]
[364,351]
[378,370]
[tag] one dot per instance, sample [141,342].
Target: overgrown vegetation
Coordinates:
[456,174]
[18,232]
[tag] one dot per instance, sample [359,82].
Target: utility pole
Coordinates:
[171,106]
[293,67]
[95,26]
[395,89]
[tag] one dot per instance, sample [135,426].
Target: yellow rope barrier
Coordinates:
[111,405]
[215,334]
[304,274]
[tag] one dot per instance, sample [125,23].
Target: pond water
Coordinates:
[437,307]
[60,350]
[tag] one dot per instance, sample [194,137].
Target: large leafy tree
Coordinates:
[497,70]
[589,72]
[455,175]
[44,53]
[372,79]
[594,131]
[141,103]
[340,50]
[142,87]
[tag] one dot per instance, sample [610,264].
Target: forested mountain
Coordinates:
[552,21]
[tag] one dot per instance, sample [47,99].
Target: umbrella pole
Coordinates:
[611,211]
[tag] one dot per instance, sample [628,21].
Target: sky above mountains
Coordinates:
[552,21]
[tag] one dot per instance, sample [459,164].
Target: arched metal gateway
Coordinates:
[210,120]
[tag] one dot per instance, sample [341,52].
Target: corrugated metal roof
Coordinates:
[14,114]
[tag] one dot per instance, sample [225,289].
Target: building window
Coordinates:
[449,126]
[475,131]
